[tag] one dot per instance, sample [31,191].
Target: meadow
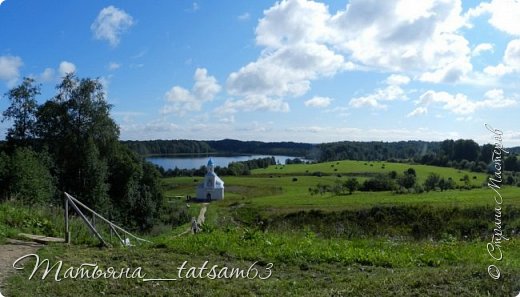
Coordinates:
[363,244]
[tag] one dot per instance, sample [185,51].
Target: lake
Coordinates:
[190,162]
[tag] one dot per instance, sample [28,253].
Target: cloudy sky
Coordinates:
[275,71]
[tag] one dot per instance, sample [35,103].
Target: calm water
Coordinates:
[169,162]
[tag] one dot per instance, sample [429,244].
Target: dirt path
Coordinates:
[10,252]
[202,214]
[200,219]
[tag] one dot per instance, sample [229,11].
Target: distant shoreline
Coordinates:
[210,155]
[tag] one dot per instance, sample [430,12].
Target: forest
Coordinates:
[460,154]
[71,144]
[226,146]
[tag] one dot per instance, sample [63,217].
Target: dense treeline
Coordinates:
[169,147]
[226,146]
[70,143]
[234,168]
[461,154]
[375,151]
[266,148]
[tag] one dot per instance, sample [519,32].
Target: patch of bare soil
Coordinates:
[10,252]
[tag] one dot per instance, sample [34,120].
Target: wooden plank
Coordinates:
[42,239]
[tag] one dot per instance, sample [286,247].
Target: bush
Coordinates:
[431,182]
[378,183]
[174,213]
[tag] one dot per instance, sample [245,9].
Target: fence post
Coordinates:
[67,230]
[87,222]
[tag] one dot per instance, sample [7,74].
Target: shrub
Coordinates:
[30,179]
[378,183]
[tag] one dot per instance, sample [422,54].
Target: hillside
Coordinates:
[359,244]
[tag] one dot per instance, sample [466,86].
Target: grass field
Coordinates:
[362,168]
[362,244]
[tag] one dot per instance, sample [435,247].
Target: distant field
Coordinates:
[286,187]
[363,168]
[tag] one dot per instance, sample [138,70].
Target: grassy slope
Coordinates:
[362,167]
[305,265]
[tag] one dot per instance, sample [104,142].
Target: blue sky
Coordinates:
[291,70]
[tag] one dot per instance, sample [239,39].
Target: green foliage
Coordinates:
[174,213]
[381,182]
[408,179]
[432,181]
[29,177]
[238,168]
[22,111]
[84,156]
[15,218]
[351,184]
[135,190]
[76,127]
[4,175]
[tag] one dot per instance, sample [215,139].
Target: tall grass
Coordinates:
[46,220]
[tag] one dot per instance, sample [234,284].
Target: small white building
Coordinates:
[213,187]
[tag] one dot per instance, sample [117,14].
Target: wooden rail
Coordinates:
[70,200]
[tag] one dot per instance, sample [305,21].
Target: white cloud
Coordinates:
[309,129]
[320,102]
[227,120]
[510,61]
[180,100]
[397,79]
[127,117]
[333,134]
[156,127]
[406,36]
[1,1]
[253,103]
[113,66]
[460,104]
[195,6]
[418,111]
[244,17]
[205,87]
[286,67]
[66,67]
[47,75]
[498,70]
[285,72]
[504,15]
[10,68]
[292,22]
[450,73]
[390,93]
[483,47]
[105,82]
[303,42]
[110,23]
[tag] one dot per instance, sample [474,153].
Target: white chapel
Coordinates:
[213,187]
